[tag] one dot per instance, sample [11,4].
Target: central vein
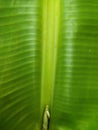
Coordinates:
[50,25]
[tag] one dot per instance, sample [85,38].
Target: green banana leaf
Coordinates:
[20,65]
[75,101]
[49,55]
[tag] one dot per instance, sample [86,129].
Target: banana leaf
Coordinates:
[20,64]
[75,100]
[49,55]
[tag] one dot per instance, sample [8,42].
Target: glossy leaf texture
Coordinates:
[25,71]
[20,64]
[75,101]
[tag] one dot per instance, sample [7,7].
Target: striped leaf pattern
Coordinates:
[28,30]
[20,64]
[75,101]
